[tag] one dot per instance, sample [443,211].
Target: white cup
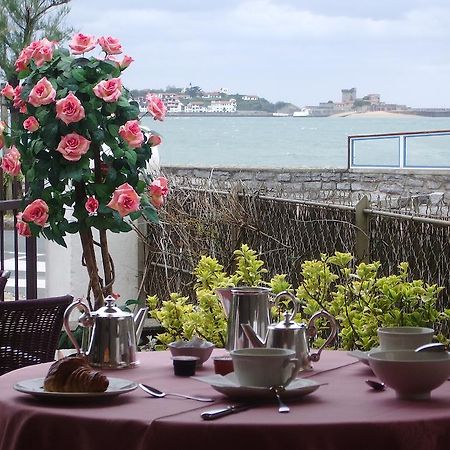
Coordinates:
[404,338]
[264,367]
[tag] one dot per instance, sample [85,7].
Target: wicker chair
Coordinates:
[29,331]
[4,275]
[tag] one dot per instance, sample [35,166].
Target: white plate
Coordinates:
[229,386]
[35,387]
[363,356]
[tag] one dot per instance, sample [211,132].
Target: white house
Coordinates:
[195,107]
[222,106]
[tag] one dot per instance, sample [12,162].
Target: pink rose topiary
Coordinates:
[110,45]
[69,109]
[31,124]
[125,200]
[36,212]
[73,146]
[11,162]
[43,93]
[156,107]
[109,90]
[132,134]
[82,43]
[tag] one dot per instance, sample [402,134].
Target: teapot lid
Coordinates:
[288,323]
[110,309]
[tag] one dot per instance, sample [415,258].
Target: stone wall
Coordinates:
[422,185]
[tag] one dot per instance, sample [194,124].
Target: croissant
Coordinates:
[74,374]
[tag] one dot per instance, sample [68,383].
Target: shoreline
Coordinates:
[369,114]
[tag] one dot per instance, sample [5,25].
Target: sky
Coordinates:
[298,51]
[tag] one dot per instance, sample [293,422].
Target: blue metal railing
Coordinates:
[404,150]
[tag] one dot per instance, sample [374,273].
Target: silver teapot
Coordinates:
[113,334]
[291,335]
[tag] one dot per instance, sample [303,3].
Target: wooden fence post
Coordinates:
[362,231]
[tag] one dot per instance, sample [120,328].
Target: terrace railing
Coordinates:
[408,150]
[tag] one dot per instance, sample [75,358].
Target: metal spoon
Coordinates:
[377,385]
[159,394]
[283,408]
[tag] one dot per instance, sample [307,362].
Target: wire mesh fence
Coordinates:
[200,220]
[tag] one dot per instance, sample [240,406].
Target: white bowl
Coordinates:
[196,347]
[404,338]
[412,375]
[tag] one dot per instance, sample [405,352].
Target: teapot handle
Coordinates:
[294,300]
[82,307]
[312,331]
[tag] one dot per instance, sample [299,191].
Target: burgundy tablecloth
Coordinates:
[344,414]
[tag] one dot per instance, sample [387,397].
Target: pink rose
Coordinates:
[31,124]
[73,146]
[43,52]
[125,200]
[82,43]
[8,92]
[2,141]
[69,109]
[157,190]
[156,107]
[22,61]
[11,162]
[109,90]
[36,212]
[22,227]
[110,45]
[126,61]
[154,140]
[91,205]
[43,93]
[131,133]
[18,103]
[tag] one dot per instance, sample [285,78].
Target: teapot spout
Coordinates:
[139,321]
[254,339]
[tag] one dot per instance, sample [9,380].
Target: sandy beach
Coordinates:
[373,114]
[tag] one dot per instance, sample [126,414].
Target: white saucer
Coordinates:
[363,356]
[229,386]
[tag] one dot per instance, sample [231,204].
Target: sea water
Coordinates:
[274,142]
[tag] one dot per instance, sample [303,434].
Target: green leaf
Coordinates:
[72,227]
[110,107]
[78,74]
[150,213]
[23,74]
[91,122]
[124,227]
[131,157]
[123,102]
[113,129]
[98,136]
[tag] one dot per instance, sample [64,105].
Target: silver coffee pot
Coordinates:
[113,334]
[291,335]
[244,304]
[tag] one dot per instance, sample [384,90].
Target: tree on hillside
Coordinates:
[23,21]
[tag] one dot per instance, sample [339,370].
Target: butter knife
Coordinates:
[212,414]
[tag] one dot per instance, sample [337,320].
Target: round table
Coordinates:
[343,414]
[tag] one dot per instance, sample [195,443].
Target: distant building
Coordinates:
[250,98]
[222,106]
[208,95]
[172,101]
[196,107]
[348,95]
